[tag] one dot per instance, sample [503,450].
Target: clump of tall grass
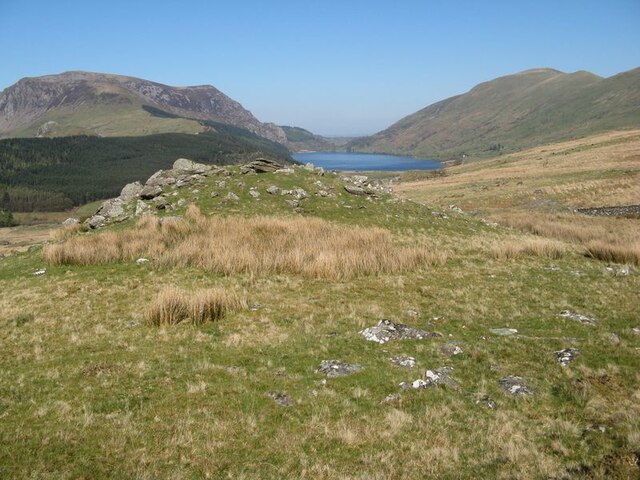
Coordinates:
[66,231]
[264,245]
[614,253]
[173,305]
[537,247]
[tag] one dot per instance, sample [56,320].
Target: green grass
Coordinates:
[88,390]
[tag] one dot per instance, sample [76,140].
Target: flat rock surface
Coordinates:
[386,330]
[337,368]
[515,386]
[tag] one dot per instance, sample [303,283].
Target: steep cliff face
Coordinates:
[124,104]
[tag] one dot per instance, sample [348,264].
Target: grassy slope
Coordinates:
[87,390]
[517,111]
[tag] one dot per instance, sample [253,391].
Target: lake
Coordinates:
[365,161]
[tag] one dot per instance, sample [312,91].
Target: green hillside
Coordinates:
[47,174]
[514,112]
[299,139]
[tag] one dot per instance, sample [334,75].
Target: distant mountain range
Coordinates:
[87,103]
[514,112]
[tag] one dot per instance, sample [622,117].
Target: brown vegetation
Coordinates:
[173,306]
[307,246]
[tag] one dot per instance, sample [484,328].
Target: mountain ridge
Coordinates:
[512,112]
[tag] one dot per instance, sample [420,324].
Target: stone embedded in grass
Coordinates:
[585,319]
[142,260]
[392,397]
[486,401]
[254,193]
[273,190]
[431,378]
[232,197]
[337,368]
[504,332]
[451,349]
[281,399]
[636,330]
[403,361]
[40,272]
[566,356]
[515,386]
[96,221]
[386,330]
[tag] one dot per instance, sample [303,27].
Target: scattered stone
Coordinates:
[392,397]
[451,349]
[322,193]
[614,339]
[232,197]
[596,428]
[412,314]
[293,203]
[285,170]
[431,378]
[566,356]
[336,368]
[623,271]
[403,361]
[309,166]
[111,208]
[442,215]
[280,398]
[579,317]
[273,190]
[636,330]
[504,332]
[181,203]
[254,193]
[161,202]
[455,208]
[141,261]
[70,221]
[387,330]
[214,194]
[299,193]
[486,401]
[130,191]
[221,184]
[96,221]
[132,323]
[515,386]
[359,179]
[38,273]
[150,191]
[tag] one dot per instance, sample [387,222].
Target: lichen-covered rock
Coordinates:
[515,386]
[280,398]
[130,191]
[273,190]
[584,319]
[185,165]
[232,197]
[254,193]
[403,361]
[355,190]
[264,165]
[96,221]
[141,207]
[111,208]
[337,368]
[566,356]
[70,221]
[387,330]
[150,191]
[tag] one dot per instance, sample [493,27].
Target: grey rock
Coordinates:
[214,194]
[96,221]
[299,193]
[403,361]
[161,202]
[636,330]
[221,184]
[337,368]
[584,319]
[566,356]
[354,190]
[141,207]
[451,349]
[504,332]
[486,401]
[392,397]
[614,339]
[322,193]
[130,191]
[70,221]
[515,386]
[254,193]
[273,190]
[432,378]
[189,166]
[293,203]
[41,272]
[161,178]
[280,398]
[386,330]
[111,208]
[309,166]
[264,165]
[232,197]
[150,191]
[181,203]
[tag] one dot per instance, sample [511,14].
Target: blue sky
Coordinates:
[334,67]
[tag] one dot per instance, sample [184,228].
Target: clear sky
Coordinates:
[340,67]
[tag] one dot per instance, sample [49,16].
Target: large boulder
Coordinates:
[111,208]
[96,221]
[263,165]
[184,165]
[150,191]
[130,191]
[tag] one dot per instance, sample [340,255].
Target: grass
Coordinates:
[96,391]
[264,245]
[173,306]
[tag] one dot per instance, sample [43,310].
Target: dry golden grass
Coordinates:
[173,306]
[537,247]
[308,246]
[66,231]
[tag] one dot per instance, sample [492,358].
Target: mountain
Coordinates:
[514,112]
[84,103]
[299,140]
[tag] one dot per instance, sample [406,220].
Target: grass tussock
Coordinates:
[173,306]
[537,247]
[610,239]
[231,245]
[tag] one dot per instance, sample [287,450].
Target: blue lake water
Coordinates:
[365,161]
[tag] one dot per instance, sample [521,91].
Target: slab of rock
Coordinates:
[566,356]
[280,398]
[70,221]
[387,330]
[111,208]
[273,190]
[150,191]
[96,221]
[515,386]
[130,191]
[355,190]
[264,165]
[322,193]
[585,319]
[184,165]
[337,368]
[403,361]
[504,332]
